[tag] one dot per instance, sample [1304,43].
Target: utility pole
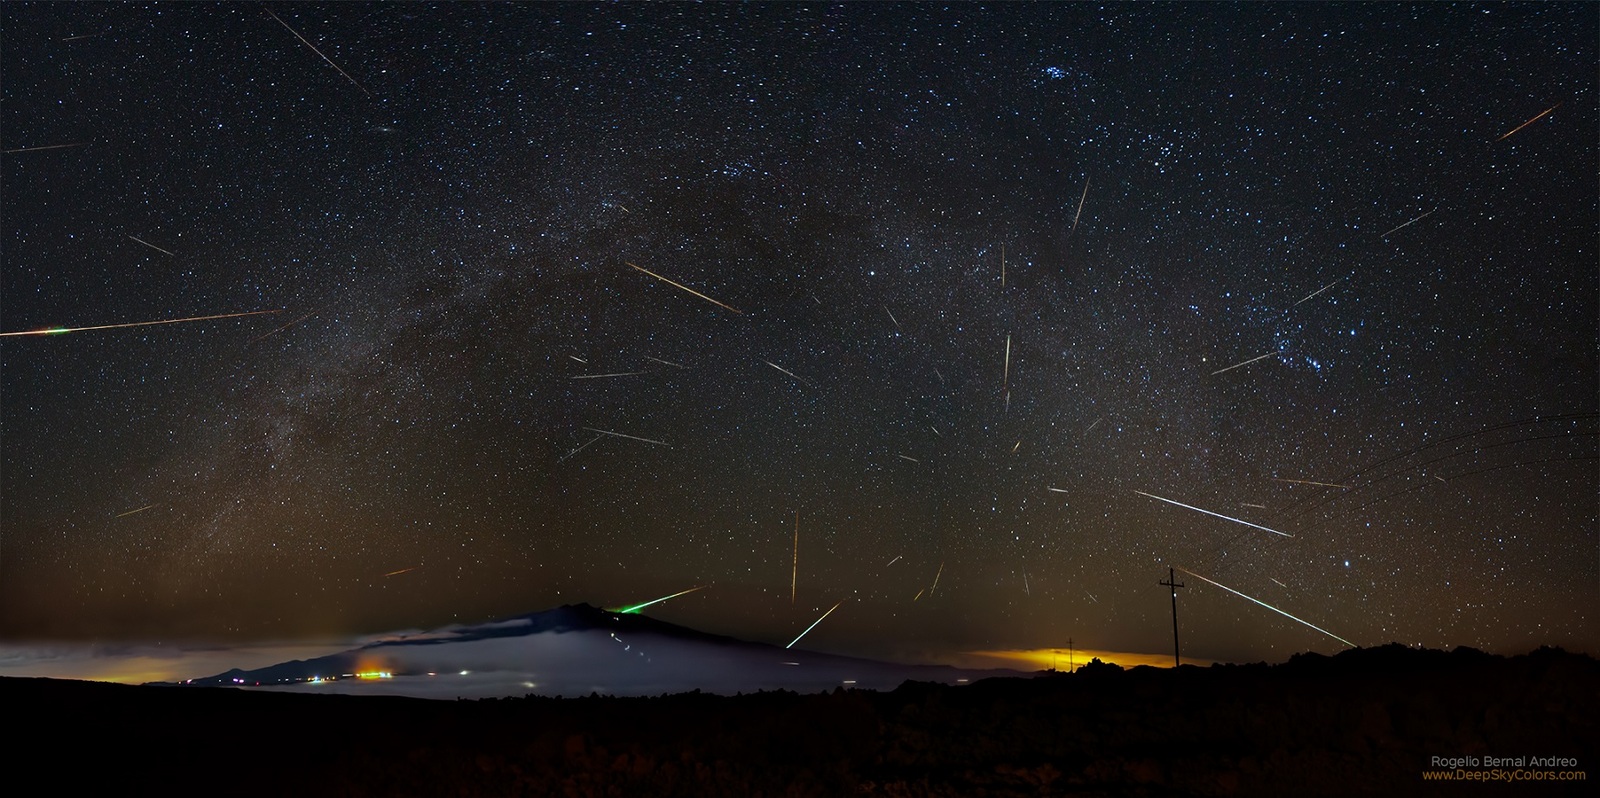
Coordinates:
[1174,584]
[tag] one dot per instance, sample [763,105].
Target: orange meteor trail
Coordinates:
[402,570]
[682,287]
[131,512]
[1529,122]
[59,330]
[287,326]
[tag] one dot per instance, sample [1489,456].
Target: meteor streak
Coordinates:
[1246,363]
[402,570]
[798,378]
[43,147]
[286,326]
[613,374]
[1002,265]
[59,330]
[813,625]
[579,449]
[131,512]
[635,608]
[1257,506]
[1529,122]
[936,579]
[1005,378]
[318,52]
[663,362]
[1412,222]
[1058,490]
[895,560]
[629,437]
[892,318]
[1318,291]
[1269,606]
[794,572]
[1309,482]
[1080,206]
[1218,515]
[912,459]
[1275,580]
[152,246]
[682,287]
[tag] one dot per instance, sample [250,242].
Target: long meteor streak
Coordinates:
[1318,291]
[131,512]
[1268,606]
[682,287]
[797,377]
[1218,515]
[629,437]
[794,571]
[579,449]
[59,330]
[153,246]
[1529,122]
[1309,482]
[43,147]
[1246,363]
[1412,222]
[612,374]
[635,608]
[1080,206]
[813,625]
[318,52]
[1005,378]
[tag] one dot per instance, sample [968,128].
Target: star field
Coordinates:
[919,347]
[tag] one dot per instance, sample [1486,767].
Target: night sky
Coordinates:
[970,278]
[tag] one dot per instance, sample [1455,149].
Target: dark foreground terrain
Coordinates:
[1366,722]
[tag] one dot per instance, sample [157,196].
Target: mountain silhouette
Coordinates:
[577,649]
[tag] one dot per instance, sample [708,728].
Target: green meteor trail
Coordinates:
[635,608]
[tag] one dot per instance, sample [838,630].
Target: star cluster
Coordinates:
[603,302]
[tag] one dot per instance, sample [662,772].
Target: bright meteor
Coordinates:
[635,608]
[1268,606]
[60,330]
[813,625]
[682,287]
[1219,515]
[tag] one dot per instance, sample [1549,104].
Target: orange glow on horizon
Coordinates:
[1038,659]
